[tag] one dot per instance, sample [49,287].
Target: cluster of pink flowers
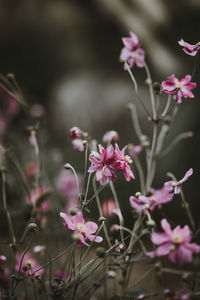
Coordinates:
[174,243]
[84,230]
[77,141]
[132,53]
[109,161]
[160,196]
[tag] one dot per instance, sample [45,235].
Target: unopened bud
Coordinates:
[157,266]
[37,276]
[67,166]
[151,223]
[157,87]
[102,219]
[138,194]
[100,252]
[32,227]
[73,211]
[111,274]
[75,237]
[2,260]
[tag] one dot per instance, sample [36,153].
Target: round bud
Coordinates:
[151,223]
[101,252]
[157,87]
[148,81]
[10,76]
[37,276]
[75,237]
[102,219]
[73,211]
[2,260]
[138,194]
[111,274]
[84,142]
[157,266]
[67,166]
[32,227]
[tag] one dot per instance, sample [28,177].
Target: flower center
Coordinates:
[128,159]
[81,227]
[177,238]
[179,85]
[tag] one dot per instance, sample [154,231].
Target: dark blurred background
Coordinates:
[65,56]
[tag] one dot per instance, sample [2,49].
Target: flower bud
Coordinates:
[73,211]
[138,194]
[100,252]
[157,266]
[157,87]
[75,132]
[110,137]
[151,223]
[111,274]
[75,237]
[102,219]
[32,227]
[67,166]
[2,260]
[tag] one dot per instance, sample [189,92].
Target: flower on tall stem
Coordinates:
[142,203]
[29,265]
[175,187]
[174,243]
[132,53]
[123,162]
[182,87]
[189,48]
[84,230]
[104,164]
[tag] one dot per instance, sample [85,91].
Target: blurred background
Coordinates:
[65,56]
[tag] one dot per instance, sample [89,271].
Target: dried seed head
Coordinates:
[32,227]
[101,252]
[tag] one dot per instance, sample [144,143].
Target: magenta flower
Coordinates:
[132,52]
[123,162]
[182,88]
[174,243]
[110,137]
[85,230]
[75,132]
[29,265]
[189,48]
[142,203]
[104,164]
[174,187]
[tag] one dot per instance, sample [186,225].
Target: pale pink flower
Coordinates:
[104,164]
[134,150]
[110,137]
[174,243]
[75,132]
[85,230]
[132,52]
[67,185]
[174,187]
[107,207]
[123,162]
[29,265]
[78,145]
[142,203]
[189,48]
[39,249]
[35,195]
[182,88]
[161,196]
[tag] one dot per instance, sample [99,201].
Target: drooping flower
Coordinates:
[174,243]
[142,203]
[110,137]
[84,230]
[104,164]
[174,187]
[123,162]
[132,52]
[78,145]
[75,132]
[107,207]
[189,48]
[29,265]
[182,88]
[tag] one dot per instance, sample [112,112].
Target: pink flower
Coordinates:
[2,260]
[134,150]
[60,274]
[107,207]
[110,137]
[83,229]
[67,185]
[182,88]
[75,132]
[35,195]
[132,53]
[161,196]
[189,48]
[29,265]
[104,164]
[78,145]
[174,243]
[142,203]
[174,187]
[123,162]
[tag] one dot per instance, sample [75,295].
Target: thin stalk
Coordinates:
[135,120]
[140,173]
[153,105]
[166,109]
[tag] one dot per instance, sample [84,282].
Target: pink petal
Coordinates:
[91,227]
[159,238]
[97,239]
[186,176]
[80,217]
[166,227]
[163,249]
[68,222]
